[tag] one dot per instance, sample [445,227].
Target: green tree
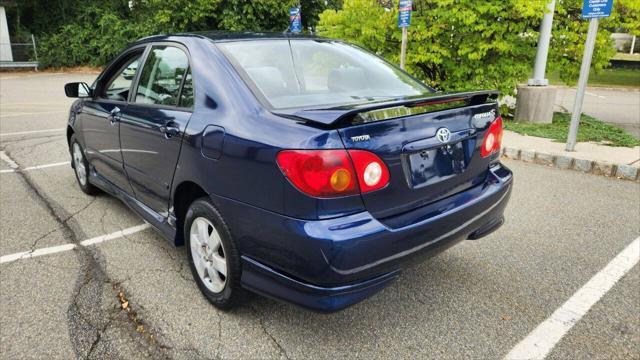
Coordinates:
[627,16]
[93,31]
[568,40]
[468,44]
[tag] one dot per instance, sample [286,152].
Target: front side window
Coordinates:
[118,86]
[317,73]
[161,76]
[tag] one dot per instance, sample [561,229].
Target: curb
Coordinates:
[565,162]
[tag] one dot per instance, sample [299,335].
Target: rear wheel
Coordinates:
[213,257]
[81,167]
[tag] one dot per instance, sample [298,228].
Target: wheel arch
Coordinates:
[185,193]
[70,132]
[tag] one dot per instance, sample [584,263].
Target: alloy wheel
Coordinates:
[208,254]
[78,162]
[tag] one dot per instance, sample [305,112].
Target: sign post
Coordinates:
[295,20]
[593,10]
[404,20]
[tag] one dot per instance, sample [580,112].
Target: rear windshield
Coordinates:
[309,73]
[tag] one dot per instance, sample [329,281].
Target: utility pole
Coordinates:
[536,99]
[542,54]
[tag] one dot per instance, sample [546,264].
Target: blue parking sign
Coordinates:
[404,13]
[295,20]
[596,9]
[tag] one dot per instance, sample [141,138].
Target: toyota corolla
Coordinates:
[304,169]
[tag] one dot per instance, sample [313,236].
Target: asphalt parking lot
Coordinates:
[82,277]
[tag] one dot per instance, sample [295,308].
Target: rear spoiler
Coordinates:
[331,116]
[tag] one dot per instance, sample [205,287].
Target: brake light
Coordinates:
[492,138]
[333,173]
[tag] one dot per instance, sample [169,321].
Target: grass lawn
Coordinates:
[607,77]
[590,130]
[628,57]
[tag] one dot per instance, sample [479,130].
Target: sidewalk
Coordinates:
[592,158]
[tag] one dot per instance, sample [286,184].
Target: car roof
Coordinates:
[221,35]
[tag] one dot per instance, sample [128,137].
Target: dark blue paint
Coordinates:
[212,140]
[323,254]
[149,155]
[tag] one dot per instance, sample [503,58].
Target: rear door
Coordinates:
[430,156]
[100,126]
[152,125]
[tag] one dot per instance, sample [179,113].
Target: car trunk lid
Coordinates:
[431,145]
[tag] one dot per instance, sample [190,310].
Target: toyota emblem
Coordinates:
[443,135]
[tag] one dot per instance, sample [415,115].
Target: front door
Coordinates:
[100,116]
[152,125]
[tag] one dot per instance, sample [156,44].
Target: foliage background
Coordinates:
[91,32]
[469,44]
[454,44]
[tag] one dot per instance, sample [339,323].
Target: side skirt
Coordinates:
[148,215]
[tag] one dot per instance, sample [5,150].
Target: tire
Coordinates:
[81,167]
[213,256]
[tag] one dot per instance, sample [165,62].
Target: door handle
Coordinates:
[114,115]
[169,130]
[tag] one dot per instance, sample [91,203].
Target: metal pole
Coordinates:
[403,47]
[542,54]
[633,44]
[35,51]
[582,83]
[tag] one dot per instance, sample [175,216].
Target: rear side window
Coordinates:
[186,97]
[162,76]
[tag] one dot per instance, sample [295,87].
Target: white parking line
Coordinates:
[31,132]
[542,339]
[8,160]
[595,95]
[13,170]
[10,115]
[67,247]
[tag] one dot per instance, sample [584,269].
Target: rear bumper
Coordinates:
[327,265]
[269,282]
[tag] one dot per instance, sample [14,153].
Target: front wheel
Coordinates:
[81,167]
[213,257]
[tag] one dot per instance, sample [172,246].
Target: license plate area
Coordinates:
[434,165]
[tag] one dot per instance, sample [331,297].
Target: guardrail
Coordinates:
[24,54]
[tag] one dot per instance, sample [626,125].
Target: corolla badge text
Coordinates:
[491,115]
[360,138]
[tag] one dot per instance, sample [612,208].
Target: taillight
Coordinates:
[492,138]
[333,173]
[372,172]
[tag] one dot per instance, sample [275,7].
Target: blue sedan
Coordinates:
[300,168]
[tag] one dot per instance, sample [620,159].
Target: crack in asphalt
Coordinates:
[264,329]
[22,138]
[219,336]
[34,244]
[85,317]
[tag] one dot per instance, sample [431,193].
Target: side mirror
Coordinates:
[78,90]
